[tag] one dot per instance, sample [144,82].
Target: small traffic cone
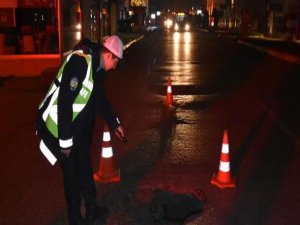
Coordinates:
[169,97]
[223,178]
[107,172]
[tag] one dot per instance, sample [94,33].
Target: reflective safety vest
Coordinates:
[50,113]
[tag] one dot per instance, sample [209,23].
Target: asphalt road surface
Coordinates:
[218,84]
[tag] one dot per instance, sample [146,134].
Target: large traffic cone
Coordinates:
[169,96]
[223,178]
[107,172]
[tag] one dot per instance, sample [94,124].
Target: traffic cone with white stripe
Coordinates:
[107,172]
[169,97]
[223,178]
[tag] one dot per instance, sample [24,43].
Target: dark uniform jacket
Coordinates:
[82,127]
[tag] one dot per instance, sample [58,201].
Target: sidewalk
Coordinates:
[130,38]
[42,82]
[286,51]
[276,46]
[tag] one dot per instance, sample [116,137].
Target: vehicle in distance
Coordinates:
[182,26]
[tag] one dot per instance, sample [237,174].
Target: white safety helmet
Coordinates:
[114,45]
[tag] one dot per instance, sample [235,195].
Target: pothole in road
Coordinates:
[182,121]
[170,207]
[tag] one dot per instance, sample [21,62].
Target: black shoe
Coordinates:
[100,213]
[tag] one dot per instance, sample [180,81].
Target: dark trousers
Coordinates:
[77,174]
[78,179]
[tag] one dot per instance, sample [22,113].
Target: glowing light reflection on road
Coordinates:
[176,38]
[181,57]
[187,40]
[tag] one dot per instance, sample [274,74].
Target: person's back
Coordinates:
[67,117]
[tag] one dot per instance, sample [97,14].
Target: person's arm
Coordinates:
[106,110]
[73,75]
[111,119]
[108,113]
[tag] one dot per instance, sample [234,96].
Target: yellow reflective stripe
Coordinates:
[84,93]
[78,107]
[52,88]
[87,81]
[87,72]
[53,113]
[47,153]
[50,105]
[52,126]
[50,113]
[89,85]
[79,52]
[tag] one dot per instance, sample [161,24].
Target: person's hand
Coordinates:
[119,131]
[65,152]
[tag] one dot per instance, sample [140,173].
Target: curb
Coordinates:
[277,54]
[288,57]
[133,41]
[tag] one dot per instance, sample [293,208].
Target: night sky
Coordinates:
[175,4]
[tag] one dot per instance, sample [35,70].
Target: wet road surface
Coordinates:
[177,149]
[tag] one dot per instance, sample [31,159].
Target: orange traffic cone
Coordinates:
[223,178]
[107,172]
[169,97]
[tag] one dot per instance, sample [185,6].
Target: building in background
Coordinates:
[29,27]
[37,35]
[277,18]
[139,12]
[125,22]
